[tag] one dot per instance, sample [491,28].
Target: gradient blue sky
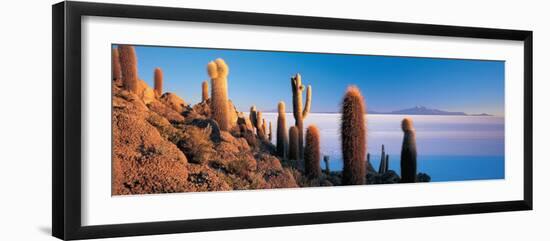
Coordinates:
[262,78]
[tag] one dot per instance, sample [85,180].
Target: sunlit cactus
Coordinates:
[312,152]
[264,128]
[128,67]
[270,136]
[408,152]
[260,127]
[158,81]
[300,112]
[326,159]
[353,134]
[252,116]
[218,72]
[204,91]
[293,149]
[115,66]
[282,138]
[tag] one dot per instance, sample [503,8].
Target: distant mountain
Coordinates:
[422,110]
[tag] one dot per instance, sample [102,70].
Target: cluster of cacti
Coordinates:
[115,66]
[408,152]
[258,122]
[300,112]
[293,148]
[158,82]
[312,152]
[218,72]
[128,67]
[384,162]
[204,91]
[353,135]
[260,125]
[326,159]
[282,138]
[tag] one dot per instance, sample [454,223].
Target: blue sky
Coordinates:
[262,78]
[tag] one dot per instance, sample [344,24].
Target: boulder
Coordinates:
[173,101]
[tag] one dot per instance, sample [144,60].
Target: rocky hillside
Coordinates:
[166,146]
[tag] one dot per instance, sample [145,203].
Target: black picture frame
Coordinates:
[66,166]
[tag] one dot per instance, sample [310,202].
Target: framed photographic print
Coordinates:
[169,120]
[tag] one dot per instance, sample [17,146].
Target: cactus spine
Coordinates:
[282,138]
[299,114]
[204,91]
[353,135]
[218,72]
[312,152]
[408,152]
[327,168]
[158,81]
[128,67]
[293,149]
[115,65]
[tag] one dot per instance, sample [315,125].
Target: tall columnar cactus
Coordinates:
[408,152]
[252,116]
[218,72]
[264,128]
[282,138]
[204,91]
[353,135]
[312,152]
[387,166]
[299,113]
[327,168]
[382,167]
[260,127]
[270,132]
[128,67]
[158,81]
[293,149]
[115,66]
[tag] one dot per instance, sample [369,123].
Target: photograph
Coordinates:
[192,119]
